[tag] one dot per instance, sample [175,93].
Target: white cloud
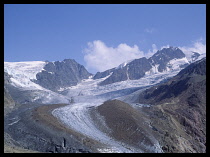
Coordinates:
[151,52]
[99,57]
[197,46]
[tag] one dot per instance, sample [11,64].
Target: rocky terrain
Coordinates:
[56,75]
[35,129]
[136,69]
[129,125]
[149,105]
[179,111]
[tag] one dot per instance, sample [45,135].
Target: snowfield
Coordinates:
[23,72]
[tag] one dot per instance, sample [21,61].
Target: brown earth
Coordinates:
[42,120]
[179,109]
[128,125]
[43,115]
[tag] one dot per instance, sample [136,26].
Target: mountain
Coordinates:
[162,57]
[167,59]
[46,82]
[185,80]
[99,75]
[139,106]
[133,70]
[56,75]
[180,109]
[37,81]
[194,56]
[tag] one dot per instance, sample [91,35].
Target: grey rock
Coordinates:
[117,76]
[61,74]
[99,75]
[9,103]
[162,57]
[194,56]
[136,69]
[183,97]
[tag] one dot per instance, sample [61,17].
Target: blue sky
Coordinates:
[92,33]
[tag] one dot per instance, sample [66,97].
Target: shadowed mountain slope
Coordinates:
[183,100]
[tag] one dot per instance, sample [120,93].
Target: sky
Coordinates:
[100,36]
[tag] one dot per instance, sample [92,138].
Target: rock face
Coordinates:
[194,56]
[99,75]
[25,80]
[181,104]
[137,68]
[134,70]
[61,74]
[8,100]
[162,57]
[128,125]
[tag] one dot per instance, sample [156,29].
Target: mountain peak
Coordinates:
[162,57]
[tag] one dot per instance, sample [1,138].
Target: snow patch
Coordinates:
[124,64]
[175,64]
[153,70]
[77,117]
[30,68]
[23,72]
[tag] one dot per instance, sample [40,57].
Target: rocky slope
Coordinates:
[129,126]
[166,59]
[38,82]
[56,75]
[9,103]
[170,117]
[179,114]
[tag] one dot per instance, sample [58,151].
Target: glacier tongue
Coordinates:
[77,117]
[88,94]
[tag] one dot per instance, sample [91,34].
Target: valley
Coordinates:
[141,106]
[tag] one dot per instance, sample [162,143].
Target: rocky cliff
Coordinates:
[179,114]
[163,60]
[56,75]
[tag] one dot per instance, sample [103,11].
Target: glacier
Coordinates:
[87,94]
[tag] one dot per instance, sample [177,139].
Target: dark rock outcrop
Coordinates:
[162,57]
[133,70]
[183,100]
[9,103]
[99,75]
[137,68]
[127,125]
[61,74]
[195,56]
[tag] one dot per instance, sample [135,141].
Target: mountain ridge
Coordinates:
[183,98]
[137,68]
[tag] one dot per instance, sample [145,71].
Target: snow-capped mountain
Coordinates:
[36,81]
[92,111]
[56,75]
[56,82]
[167,59]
